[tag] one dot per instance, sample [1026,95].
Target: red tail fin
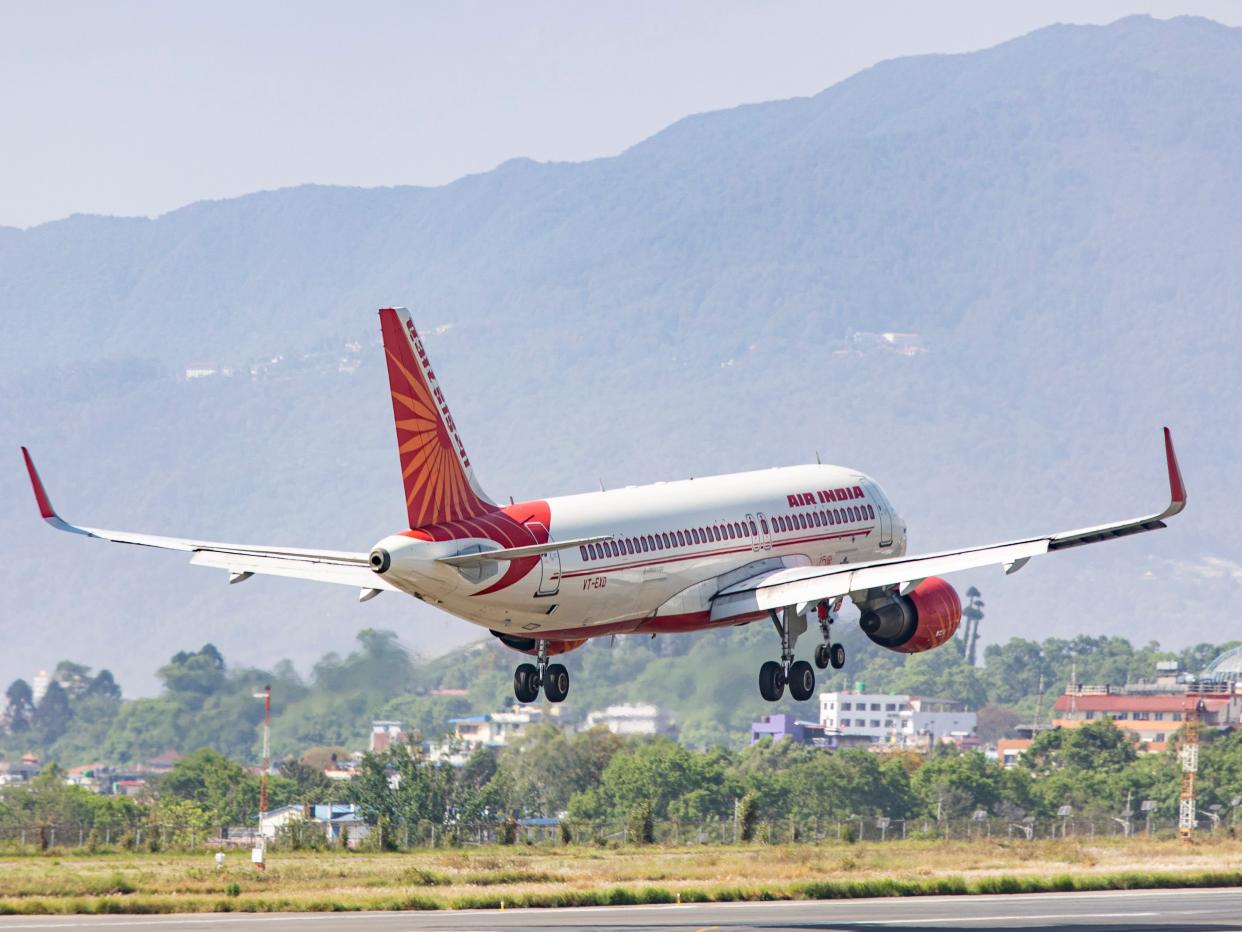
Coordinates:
[439,483]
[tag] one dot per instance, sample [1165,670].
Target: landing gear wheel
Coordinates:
[821,656]
[556,682]
[801,681]
[771,681]
[836,656]
[526,683]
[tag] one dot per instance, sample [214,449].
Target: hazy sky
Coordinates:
[140,107]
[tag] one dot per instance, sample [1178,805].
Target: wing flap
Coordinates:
[361,577]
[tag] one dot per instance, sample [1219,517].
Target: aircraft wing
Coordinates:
[800,585]
[241,560]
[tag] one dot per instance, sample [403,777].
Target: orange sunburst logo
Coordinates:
[433,460]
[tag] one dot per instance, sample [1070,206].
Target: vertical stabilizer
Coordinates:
[439,483]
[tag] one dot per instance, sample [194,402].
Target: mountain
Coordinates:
[1052,225]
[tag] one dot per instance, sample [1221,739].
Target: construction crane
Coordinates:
[1189,755]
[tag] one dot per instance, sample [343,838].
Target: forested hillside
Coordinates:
[707,681]
[1056,219]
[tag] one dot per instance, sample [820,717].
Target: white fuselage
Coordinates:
[673,546]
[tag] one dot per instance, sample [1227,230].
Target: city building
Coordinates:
[1152,711]
[782,726]
[894,718]
[632,719]
[333,819]
[385,734]
[491,730]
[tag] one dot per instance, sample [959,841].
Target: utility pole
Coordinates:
[259,854]
[1189,755]
[1039,703]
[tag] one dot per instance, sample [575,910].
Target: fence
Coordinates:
[148,836]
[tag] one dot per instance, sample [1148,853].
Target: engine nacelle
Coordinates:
[924,619]
[530,646]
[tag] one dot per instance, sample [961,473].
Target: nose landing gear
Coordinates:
[553,678]
[828,653]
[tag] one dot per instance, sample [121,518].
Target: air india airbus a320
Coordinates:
[544,576]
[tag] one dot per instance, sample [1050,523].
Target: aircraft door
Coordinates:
[752,527]
[549,565]
[883,514]
[765,531]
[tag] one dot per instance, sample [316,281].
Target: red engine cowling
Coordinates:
[924,619]
[530,646]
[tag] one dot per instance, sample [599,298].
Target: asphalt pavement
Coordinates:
[1148,910]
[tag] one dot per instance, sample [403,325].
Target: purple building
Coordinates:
[785,726]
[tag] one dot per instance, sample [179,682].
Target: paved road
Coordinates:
[1148,910]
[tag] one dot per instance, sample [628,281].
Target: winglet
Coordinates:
[1177,488]
[46,511]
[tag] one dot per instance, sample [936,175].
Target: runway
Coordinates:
[1149,910]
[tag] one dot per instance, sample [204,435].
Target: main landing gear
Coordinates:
[828,654]
[798,675]
[552,677]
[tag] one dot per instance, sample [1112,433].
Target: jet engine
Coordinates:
[925,618]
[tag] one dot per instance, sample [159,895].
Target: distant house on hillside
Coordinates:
[632,719]
[333,819]
[385,734]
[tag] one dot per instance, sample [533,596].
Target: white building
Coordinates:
[386,734]
[493,730]
[937,718]
[39,685]
[869,715]
[632,719]
[893,718]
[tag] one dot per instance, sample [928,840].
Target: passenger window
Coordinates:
[645,543]
[629,545]
[616,548]
[754,531]
[665,541]
[870,512]
[803,523]
[716,532]
[583,551]
[592,552]
[815,518]
[764,522]
[681,538]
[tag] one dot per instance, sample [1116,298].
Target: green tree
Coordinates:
[191,677]
[972,611]
[952,784]
[53,715]
[226,793]
[20,706]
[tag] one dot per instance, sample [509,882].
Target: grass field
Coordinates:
[548,876]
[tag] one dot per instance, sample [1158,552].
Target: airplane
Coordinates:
[783,544]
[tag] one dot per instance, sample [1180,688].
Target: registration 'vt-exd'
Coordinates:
[544,576]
